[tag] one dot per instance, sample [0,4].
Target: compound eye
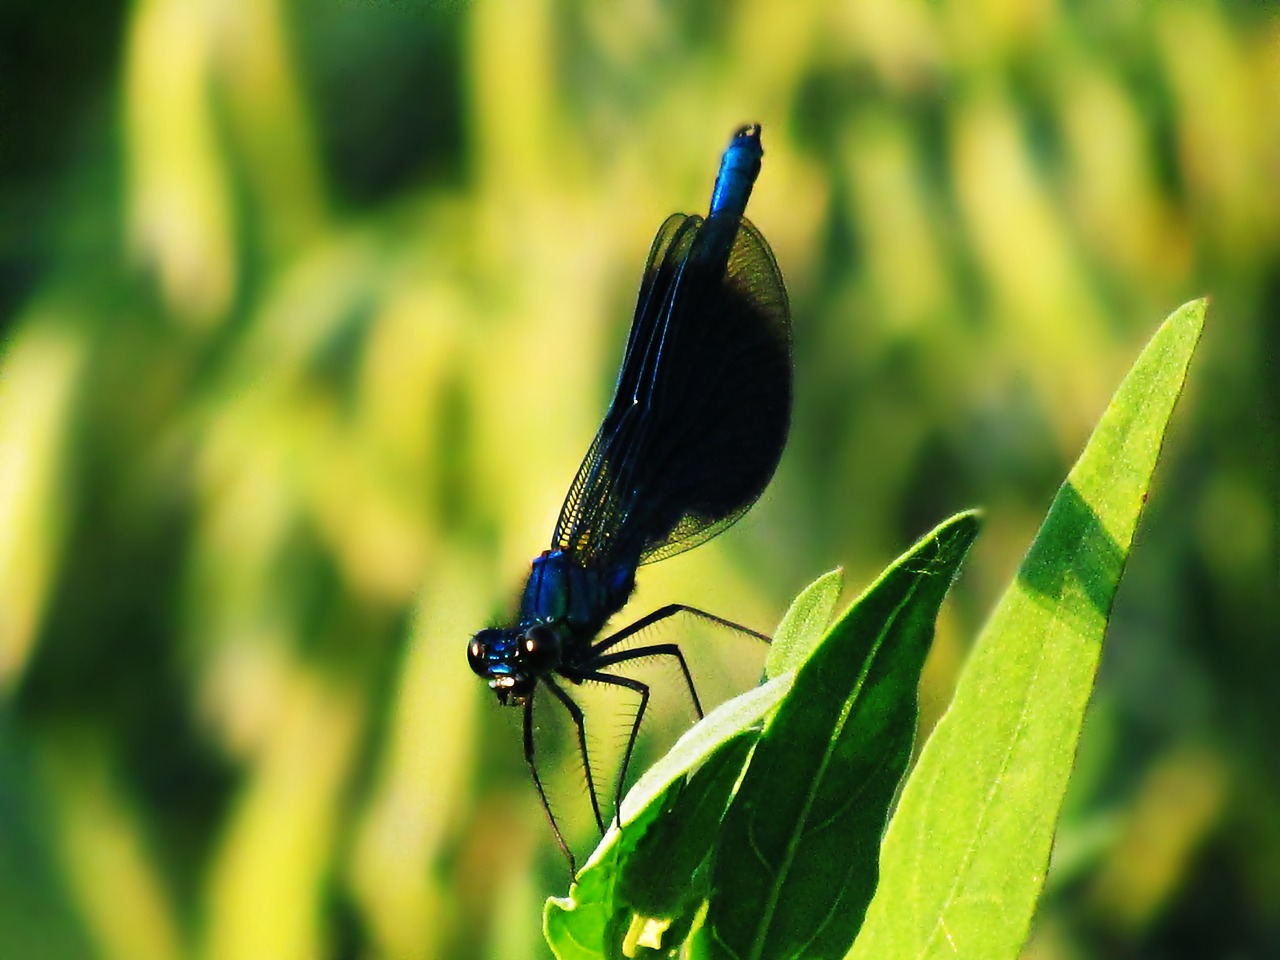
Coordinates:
[540,649]
[476,655]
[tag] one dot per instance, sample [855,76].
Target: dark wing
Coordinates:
[702,405]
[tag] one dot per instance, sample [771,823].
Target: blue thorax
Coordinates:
[562,591]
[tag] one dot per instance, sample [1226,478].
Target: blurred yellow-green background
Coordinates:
[309,311]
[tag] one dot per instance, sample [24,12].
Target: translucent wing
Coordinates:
[702,406]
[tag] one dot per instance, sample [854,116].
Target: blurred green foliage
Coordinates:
[310,310]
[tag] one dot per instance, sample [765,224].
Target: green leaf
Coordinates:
[800,627]
[965,856]
[669,824]
[580,925]
[701,740]
[657,879]
[661,873]
[804,624]
[795,865]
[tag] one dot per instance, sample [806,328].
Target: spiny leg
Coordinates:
[662,613]
[598,660]
[542,793]
[642,689]
[654,650]
[575,712]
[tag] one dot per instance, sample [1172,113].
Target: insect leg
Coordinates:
[599,658]
[643,690]
[575,712]
[537,782]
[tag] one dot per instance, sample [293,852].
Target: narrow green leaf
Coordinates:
[804,624]
[795,865]
[965,856]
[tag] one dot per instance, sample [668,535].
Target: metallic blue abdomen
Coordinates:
[738,171]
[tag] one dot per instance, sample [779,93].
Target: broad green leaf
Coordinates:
[804,624]
[795,864]
[965,856]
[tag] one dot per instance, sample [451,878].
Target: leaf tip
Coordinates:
[1192,313]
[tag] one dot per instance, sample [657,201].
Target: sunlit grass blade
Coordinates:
[965,856]
[796,860]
